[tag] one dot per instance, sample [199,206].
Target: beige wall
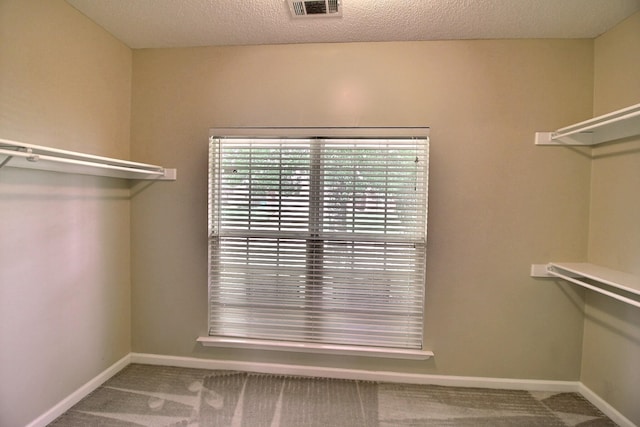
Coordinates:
[497,202]
[612,329]
[64,239]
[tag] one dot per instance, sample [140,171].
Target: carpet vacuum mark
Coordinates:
[142,395]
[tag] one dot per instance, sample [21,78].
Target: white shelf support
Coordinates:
[621,286]
[29,156]
[617,125]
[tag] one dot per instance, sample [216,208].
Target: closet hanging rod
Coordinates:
[32,156]
[597,289]
[621,286]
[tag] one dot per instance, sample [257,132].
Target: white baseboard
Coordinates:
[316,371]
[356,374]
[75,397]
[607,409]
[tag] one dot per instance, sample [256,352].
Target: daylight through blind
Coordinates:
[318,240]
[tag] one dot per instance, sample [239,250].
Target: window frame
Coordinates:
[312,133]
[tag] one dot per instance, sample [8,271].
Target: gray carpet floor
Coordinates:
[144,395]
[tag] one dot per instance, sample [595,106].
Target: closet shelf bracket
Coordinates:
[621,286]
[30,156]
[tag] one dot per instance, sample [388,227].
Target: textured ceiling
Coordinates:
[180,23]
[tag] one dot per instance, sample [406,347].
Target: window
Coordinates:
[318,239]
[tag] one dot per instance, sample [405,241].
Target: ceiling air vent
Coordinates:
[315,8]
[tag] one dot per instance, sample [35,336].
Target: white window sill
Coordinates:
[349,350]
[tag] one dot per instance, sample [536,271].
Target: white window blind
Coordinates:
[318,240]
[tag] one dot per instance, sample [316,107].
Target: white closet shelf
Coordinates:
[608,127]
[615,284]
[30,156]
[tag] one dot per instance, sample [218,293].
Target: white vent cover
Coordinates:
[315,8]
